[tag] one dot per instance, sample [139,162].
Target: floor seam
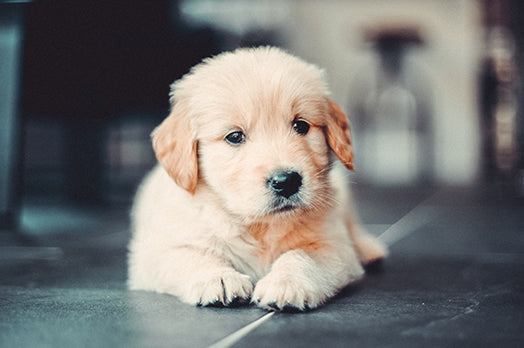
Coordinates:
[236,336]
[417,217]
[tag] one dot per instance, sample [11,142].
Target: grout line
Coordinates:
[236,336]
[409,223]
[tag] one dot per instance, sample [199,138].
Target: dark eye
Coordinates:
[301,127]
[236,138]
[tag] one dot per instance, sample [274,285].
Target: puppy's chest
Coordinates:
[271,240]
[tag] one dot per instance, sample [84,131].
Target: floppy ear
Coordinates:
[176,149]
[338,135]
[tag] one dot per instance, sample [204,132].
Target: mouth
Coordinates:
[284,208]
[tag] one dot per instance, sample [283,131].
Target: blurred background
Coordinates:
[432,89]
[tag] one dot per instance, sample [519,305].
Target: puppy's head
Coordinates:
[256,128]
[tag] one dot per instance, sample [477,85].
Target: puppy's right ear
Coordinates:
[338,134]
[175,148]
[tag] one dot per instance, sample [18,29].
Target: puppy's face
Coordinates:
[256,128]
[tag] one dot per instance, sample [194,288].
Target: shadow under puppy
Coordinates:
[249,202]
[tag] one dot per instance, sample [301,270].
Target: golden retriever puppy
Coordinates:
[249,202]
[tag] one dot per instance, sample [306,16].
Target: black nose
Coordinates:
[285,183]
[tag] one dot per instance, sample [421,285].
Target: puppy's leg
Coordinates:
[369,249]
[301,280]
[195,276]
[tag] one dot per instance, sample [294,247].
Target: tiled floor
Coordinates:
[455,278]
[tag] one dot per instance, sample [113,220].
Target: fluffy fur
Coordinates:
[207,225]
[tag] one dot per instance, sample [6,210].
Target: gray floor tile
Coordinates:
[52,317]
[455,278]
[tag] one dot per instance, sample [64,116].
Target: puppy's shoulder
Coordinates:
[158,192]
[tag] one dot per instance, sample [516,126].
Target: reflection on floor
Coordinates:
[455,278]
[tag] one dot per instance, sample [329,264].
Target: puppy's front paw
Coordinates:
[283,292]
[225,288]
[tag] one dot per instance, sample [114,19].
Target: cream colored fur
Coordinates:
[206,225]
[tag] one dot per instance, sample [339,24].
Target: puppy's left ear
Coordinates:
[338,134]
[176,149]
